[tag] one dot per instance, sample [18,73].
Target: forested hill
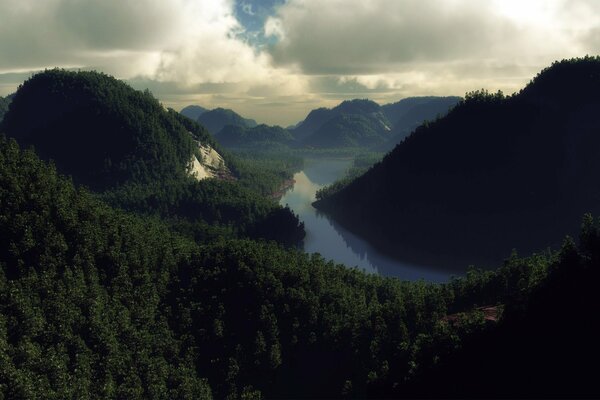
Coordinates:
[215,120]
[98,129]
[259,137]
[351,123]
[496,173]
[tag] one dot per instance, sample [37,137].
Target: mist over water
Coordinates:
[336,243]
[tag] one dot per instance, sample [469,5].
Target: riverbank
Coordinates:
[283,188]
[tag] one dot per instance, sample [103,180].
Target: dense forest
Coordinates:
[123,279]
[99,303]
[261,137]
[498,172]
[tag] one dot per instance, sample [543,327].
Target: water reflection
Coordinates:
[334,242]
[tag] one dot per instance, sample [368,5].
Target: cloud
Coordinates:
[304,53]
[378,36]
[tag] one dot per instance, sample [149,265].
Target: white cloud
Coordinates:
[378,36]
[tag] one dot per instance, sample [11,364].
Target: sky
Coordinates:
[275,60]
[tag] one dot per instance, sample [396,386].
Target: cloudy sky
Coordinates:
[274,60]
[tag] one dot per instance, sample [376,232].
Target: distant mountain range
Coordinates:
[193,112]
[352,124]
[216,119]
[496,173]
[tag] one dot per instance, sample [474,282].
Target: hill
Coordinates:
[193,112]
[258,137]
[98,129]
[217,119]
[496,173]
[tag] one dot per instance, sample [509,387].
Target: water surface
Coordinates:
[332,241]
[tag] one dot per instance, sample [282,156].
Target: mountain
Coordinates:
[351,123]
[100,130]
[260,136]
[496,173]
[217,119]
[193,112]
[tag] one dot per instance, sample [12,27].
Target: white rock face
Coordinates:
[209,164]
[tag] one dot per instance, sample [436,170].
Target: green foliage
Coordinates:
[122,144]
[265,172]
[98,303]
[261,137]
[98,129]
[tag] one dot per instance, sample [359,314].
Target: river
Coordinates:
[332,241]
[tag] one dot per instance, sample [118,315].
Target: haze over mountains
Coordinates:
[496,173]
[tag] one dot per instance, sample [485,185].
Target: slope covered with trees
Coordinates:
[261,137]
[134,154]
[98,303]
[98,129]
[496,173]
[351,123]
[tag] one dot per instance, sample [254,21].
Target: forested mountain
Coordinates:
[349,123]
[217,119]
[126,147]
[98,303]
[98,129]
[193,112]
[258,137]
[496,173]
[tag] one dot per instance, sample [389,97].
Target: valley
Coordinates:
[332,241]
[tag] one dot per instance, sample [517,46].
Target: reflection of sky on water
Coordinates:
[336,243]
